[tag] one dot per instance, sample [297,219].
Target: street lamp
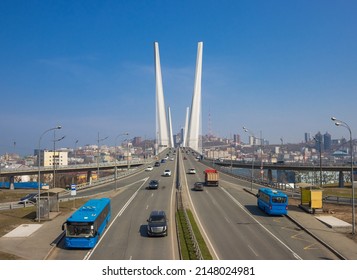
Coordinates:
[116,156]
[251,134]
[75,151]
[99,140]
[319,141]
[341,123]
[54,158]
[127,158]
[75,159]
[39,169]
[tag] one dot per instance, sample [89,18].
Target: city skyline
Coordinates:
[282,69]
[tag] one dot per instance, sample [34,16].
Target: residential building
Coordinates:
[51,158]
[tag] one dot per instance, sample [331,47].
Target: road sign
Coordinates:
[73,190]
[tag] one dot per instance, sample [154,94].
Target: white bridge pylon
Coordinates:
[194,136]
[162,134]
[193,126]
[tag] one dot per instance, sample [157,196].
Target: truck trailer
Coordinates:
[211,177]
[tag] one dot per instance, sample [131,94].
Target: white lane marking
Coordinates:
[252,250]
[246,211]
[228,221]
[198,219]
[173,214]
[89,254]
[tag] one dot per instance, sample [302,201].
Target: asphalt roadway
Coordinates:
[36,241]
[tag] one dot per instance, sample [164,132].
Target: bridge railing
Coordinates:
[34,169]
[83,186]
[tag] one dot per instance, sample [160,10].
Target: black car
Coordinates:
[29,198]
[154,184]
[198,186]
[157,223]
[157,164]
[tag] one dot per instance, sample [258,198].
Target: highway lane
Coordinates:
[232,224]
[118,199]
[232,233]
[280,227]
[237,229]
[126,237]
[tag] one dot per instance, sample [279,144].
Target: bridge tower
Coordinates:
[194,136]
[162,134]
[184,142]
[172,144]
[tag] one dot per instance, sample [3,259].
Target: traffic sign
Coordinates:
[73,190]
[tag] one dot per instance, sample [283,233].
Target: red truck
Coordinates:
[211,177]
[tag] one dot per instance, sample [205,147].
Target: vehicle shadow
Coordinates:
[143,230]
[254,210]
[59,241]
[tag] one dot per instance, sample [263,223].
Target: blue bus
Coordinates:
[273,202]
[85,226]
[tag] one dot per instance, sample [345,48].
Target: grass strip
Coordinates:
[187,248]
[186,243]
[201,242]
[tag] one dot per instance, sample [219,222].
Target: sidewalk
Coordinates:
[327,229]
[33,241]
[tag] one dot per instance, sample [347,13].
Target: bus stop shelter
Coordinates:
[49,203]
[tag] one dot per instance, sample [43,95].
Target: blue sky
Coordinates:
[281,68]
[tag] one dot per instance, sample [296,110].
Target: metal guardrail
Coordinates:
[282,166]
[15,205]
[180,206]
[338,200]
[188,222]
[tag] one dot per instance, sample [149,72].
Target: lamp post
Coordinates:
[54,158]
[341,123]
[232,157]
[261,157]
[116,156]
[75,161]
[75,150]
[39,169]
[99,140]
[319,141]
[251,134]
[127,156]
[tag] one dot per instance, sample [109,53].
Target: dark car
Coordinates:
[29,198]
[157,164]
[154,184]
[157,223]
[198,186]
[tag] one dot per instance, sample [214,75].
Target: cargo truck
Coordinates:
[211,177]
